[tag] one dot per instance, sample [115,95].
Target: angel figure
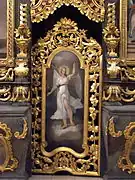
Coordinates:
[66,104]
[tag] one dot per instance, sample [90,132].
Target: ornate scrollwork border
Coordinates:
[10,163]
[41,9]
[9,60]
[66,36]
[24,133]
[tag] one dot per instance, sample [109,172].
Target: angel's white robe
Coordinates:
[63,94]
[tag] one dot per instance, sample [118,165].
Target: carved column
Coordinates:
[15,107]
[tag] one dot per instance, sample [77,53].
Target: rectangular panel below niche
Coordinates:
[123,117]
[14,116]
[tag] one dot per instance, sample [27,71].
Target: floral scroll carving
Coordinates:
[41,9]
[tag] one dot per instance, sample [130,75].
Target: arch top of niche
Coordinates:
[93,9]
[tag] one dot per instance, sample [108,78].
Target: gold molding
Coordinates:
[9,60]
[116,93]
[65,36]
[123,28]
[124,161]
[24,132]
[10,162]
[41,9]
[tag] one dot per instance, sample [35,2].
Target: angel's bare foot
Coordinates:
[64,126]
[72,123]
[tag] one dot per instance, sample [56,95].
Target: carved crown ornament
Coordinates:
[93,9]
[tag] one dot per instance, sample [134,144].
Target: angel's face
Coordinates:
[63,71]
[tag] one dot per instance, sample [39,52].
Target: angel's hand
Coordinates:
[69,76]
[49,93]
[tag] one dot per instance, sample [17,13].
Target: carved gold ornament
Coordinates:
[113,70]
[128,73]
[9,162]
[112,38]
[6,74]
[15,94]
[23,33]
[117,93]
[24,133]
[124,161]
[5,93]
[41,9]
[21,94]
[65,36]
[9,61]
[22,38]
[111,129]
[111,32]
[21,69]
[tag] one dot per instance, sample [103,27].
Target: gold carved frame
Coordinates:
[124,33]
[65,36]
[86,102]
[9,60]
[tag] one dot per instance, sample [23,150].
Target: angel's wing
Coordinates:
[77,85]
[56,76]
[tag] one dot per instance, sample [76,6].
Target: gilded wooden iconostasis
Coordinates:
[71,144]
[111,71]
[61,66]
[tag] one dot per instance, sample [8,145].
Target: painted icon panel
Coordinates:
[65,112]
